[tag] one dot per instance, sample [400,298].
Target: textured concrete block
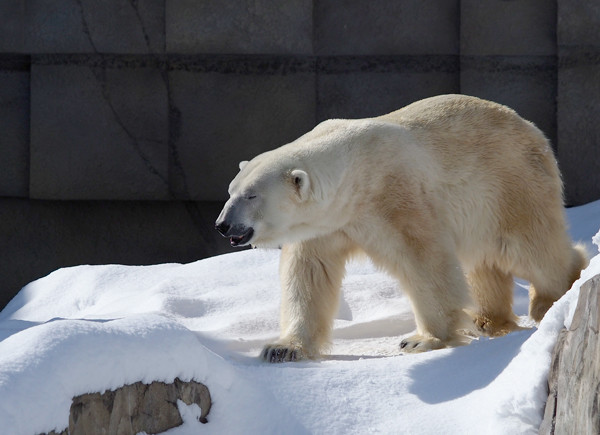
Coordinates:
[98,131]
[41,236]
[527,84]
[14,125]
[358,87]
[493,27]
[83,26]
[12,29]
[578,128]
[124,26]
[356,27]
[224,110]
[239,26]
[578,23]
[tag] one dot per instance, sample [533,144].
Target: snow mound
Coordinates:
[596,240]
[92,328]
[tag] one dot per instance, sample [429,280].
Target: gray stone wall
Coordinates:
[123,121]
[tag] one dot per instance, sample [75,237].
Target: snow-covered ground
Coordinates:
[91,328]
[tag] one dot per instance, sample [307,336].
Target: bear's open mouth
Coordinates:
[242,239]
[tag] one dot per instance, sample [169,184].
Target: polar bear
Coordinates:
[452,195]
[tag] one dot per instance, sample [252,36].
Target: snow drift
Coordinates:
[92,328]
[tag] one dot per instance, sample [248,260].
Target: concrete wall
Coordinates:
[122,122]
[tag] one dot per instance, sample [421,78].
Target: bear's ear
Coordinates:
[301,183]
[242,164]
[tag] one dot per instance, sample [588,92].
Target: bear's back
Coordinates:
[445,111]
[460,129]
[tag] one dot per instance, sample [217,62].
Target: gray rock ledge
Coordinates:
[135,408]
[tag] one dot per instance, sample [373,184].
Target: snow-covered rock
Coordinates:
[137,408]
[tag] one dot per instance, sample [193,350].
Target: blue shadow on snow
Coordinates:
[465,369]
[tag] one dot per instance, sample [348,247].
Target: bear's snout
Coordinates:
[238,235]
[222,227]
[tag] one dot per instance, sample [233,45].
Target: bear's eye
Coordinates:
[250,197]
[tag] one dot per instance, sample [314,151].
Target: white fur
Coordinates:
[447,194]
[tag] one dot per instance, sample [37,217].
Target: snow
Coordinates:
[92,328]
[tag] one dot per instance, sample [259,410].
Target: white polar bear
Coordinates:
[452,195]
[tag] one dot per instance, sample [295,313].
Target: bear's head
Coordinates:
[274,199]
[299,191]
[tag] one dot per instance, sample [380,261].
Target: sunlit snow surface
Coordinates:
[92,328]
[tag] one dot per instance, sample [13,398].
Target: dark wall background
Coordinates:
[122,122]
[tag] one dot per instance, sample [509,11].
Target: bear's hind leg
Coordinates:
[548,285]
[492,290]
[311,274]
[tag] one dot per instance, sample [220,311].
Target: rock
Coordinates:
[573,404]
[136,408]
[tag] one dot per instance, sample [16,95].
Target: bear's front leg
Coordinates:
[311,274]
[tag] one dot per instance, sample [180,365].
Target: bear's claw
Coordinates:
[281,353]
[419,343]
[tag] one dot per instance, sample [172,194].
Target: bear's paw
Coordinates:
[538,306]
[495,327]
[277,353]
[420,343]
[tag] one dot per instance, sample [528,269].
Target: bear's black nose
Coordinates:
[222,227]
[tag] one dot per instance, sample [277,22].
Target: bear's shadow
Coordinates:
[354,357]
[465,369]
